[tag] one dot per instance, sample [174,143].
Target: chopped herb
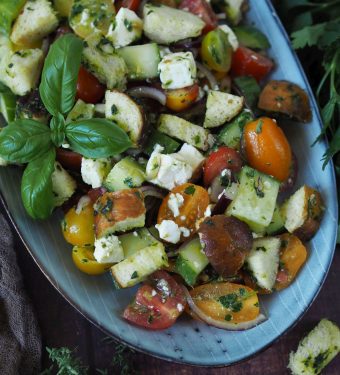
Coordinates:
[250,173]
[150,319]
[128,25]
[279,99]
[114,109]
[259,126]
[242,291]
[76,9]
[128,181]
[256,304]
[215,55]
[10,65]
[84,260]
[190,190]
[168,83]
[209,222]
[134,275]
[197,139]
[225,180]
[228,317]
[261,248]
[258,186]
[107,207]
[230,301]
[284,244]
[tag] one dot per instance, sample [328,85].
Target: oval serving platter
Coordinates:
[188,341]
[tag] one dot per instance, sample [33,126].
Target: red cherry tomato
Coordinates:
[223,158]
[89,89]
[95,193]
[62,30]
[202,9]
[69,159]
[131,4]
[246,62]
[157,306]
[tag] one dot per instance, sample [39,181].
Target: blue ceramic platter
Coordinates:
[188,341]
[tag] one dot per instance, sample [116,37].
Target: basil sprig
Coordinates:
[29,141]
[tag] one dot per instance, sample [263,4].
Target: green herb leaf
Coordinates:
[9,10]
[308,36]
[60,74]
[36,186]
[249,88]
[97,138]
[190,190]
[57,126]
[24,140]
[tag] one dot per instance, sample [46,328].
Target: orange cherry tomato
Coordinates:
[180,99]
[226,301]
[195,202]
[267,148]
[293,255]
[78,227]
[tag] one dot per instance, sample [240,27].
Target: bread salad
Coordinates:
[155,126]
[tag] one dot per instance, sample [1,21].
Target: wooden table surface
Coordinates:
[61,325]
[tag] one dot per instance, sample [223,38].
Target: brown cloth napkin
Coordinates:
[20,343]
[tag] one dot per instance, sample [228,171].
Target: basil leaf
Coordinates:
[57,125]
[36,186]
[9,10]
[60,73]
[24,140]
[97,138]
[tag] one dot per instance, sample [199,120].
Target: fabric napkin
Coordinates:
[20,343]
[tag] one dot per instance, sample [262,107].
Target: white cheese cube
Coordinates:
[177,70]
[125,29]
[93,172]
[175,202]
[190,155]
[232,38]
[20,70]
[108,249]
[36,20]
[169,231]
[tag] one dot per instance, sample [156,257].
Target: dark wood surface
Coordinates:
[61,325]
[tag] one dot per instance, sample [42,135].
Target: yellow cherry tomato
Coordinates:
[84,260]
[78,228]
[216,51]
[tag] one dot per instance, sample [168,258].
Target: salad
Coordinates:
[156,128]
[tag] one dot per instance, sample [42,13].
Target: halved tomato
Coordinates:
[223,158]
[195,202]
[246,62]
[85,261]
[89,89]
[157,305]
[69,159]
[130,4]
[181,99]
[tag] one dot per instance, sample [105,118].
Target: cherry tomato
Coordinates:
[180,99]
[130,4]
[69,159]
[95,193]
[89,89]
[223,158]
[216,51]
[226,301]
[293,255]
[195,202]
[62,30]
[267,148]
[246,62]
[84,260]
[78,228]
[202,9]
[157,306]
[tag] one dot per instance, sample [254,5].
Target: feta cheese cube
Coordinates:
[232,38]
[175,202]
[93,172]
[190,155]
[20,70]
[177,70]
[169,231]
[125,29]
[108,249]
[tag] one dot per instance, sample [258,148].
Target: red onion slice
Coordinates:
[209,76]
[221,324]
[147,92]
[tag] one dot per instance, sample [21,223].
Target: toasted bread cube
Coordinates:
[303,212]
[119,211]
[20,70]
[36,20]
[221,107]
[128,115]
[63,185]
[316,350]
[101,59]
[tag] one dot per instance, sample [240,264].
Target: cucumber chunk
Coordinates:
[158,138]
[255,199]
[127,173]
[277,225]
[250,36]
[231,133]
[138,266]
[191,261]
[141,61]
[250,89]
[136,240]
